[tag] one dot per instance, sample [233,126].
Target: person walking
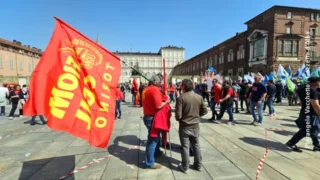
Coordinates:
[215,97]
[271,94]
[172,91]
[257,98]
[119,98]
[226,102]
[123,90]
[15,96]
[204,91]
[308,121]
[189,108]
[4,93]
[152,102]
[242,94]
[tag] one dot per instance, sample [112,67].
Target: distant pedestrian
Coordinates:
[15,96]
[123,90]
[271,94]
[172,92]
[215,97]
[119,98]
[189,108]
[4,93]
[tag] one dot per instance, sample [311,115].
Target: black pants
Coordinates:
[279,97]
[236,106]
[302,133]
[243,99]
[205,95]
[13,109]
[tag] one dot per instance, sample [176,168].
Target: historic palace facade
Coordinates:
[17,61]
[276,36]
[150,63]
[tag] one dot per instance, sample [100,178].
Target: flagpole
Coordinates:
[164,77]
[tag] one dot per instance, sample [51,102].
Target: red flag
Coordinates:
[74,86]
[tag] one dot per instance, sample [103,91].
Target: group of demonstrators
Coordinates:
[157,112]
[257,95]
[17,97]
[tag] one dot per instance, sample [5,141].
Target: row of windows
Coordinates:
[312,31]
[12,65]
[313,16]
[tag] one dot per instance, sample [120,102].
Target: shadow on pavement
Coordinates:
[131,157]
[50,168]
[262,143]
[284,133]
[289,125]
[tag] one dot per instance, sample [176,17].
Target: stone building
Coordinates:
[17,61]
[150,63]
[276,36]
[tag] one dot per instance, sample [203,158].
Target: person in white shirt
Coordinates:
[4,93]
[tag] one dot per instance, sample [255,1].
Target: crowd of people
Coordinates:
[14,95]
[189,99]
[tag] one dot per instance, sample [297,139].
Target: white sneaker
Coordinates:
[10,118]
[259,124]
[229,123]
[217,121]
[21,116]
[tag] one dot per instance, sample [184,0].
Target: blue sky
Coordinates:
[145,24]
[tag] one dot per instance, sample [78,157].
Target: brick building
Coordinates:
[276,36]
[17,61]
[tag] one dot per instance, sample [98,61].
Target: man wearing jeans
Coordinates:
[189,108]
[271,94]
[257,96]
[152,102]
[33,120]
[226,102]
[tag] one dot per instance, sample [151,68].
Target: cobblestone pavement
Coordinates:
[229,152]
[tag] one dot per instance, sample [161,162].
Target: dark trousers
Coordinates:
[302,133]
[190,137]
[13,109]
[243,99]
[279,97]
[236,106]
[205,96]
[213,109]
[33,119]
[229,111]
[3,110]
[171,97]
[118,108]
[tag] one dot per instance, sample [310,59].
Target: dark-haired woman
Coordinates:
[15,96]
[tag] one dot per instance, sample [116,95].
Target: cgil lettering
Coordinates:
[62,95]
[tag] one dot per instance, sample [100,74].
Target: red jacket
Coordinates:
[161,121]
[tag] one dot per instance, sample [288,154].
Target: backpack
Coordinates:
[234,95]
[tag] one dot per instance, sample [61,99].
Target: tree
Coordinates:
[137,71]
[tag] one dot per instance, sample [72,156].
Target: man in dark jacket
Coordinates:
[308,121]
[189,108]
[242,94]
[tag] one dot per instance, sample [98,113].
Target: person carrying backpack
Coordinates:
[226,102]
